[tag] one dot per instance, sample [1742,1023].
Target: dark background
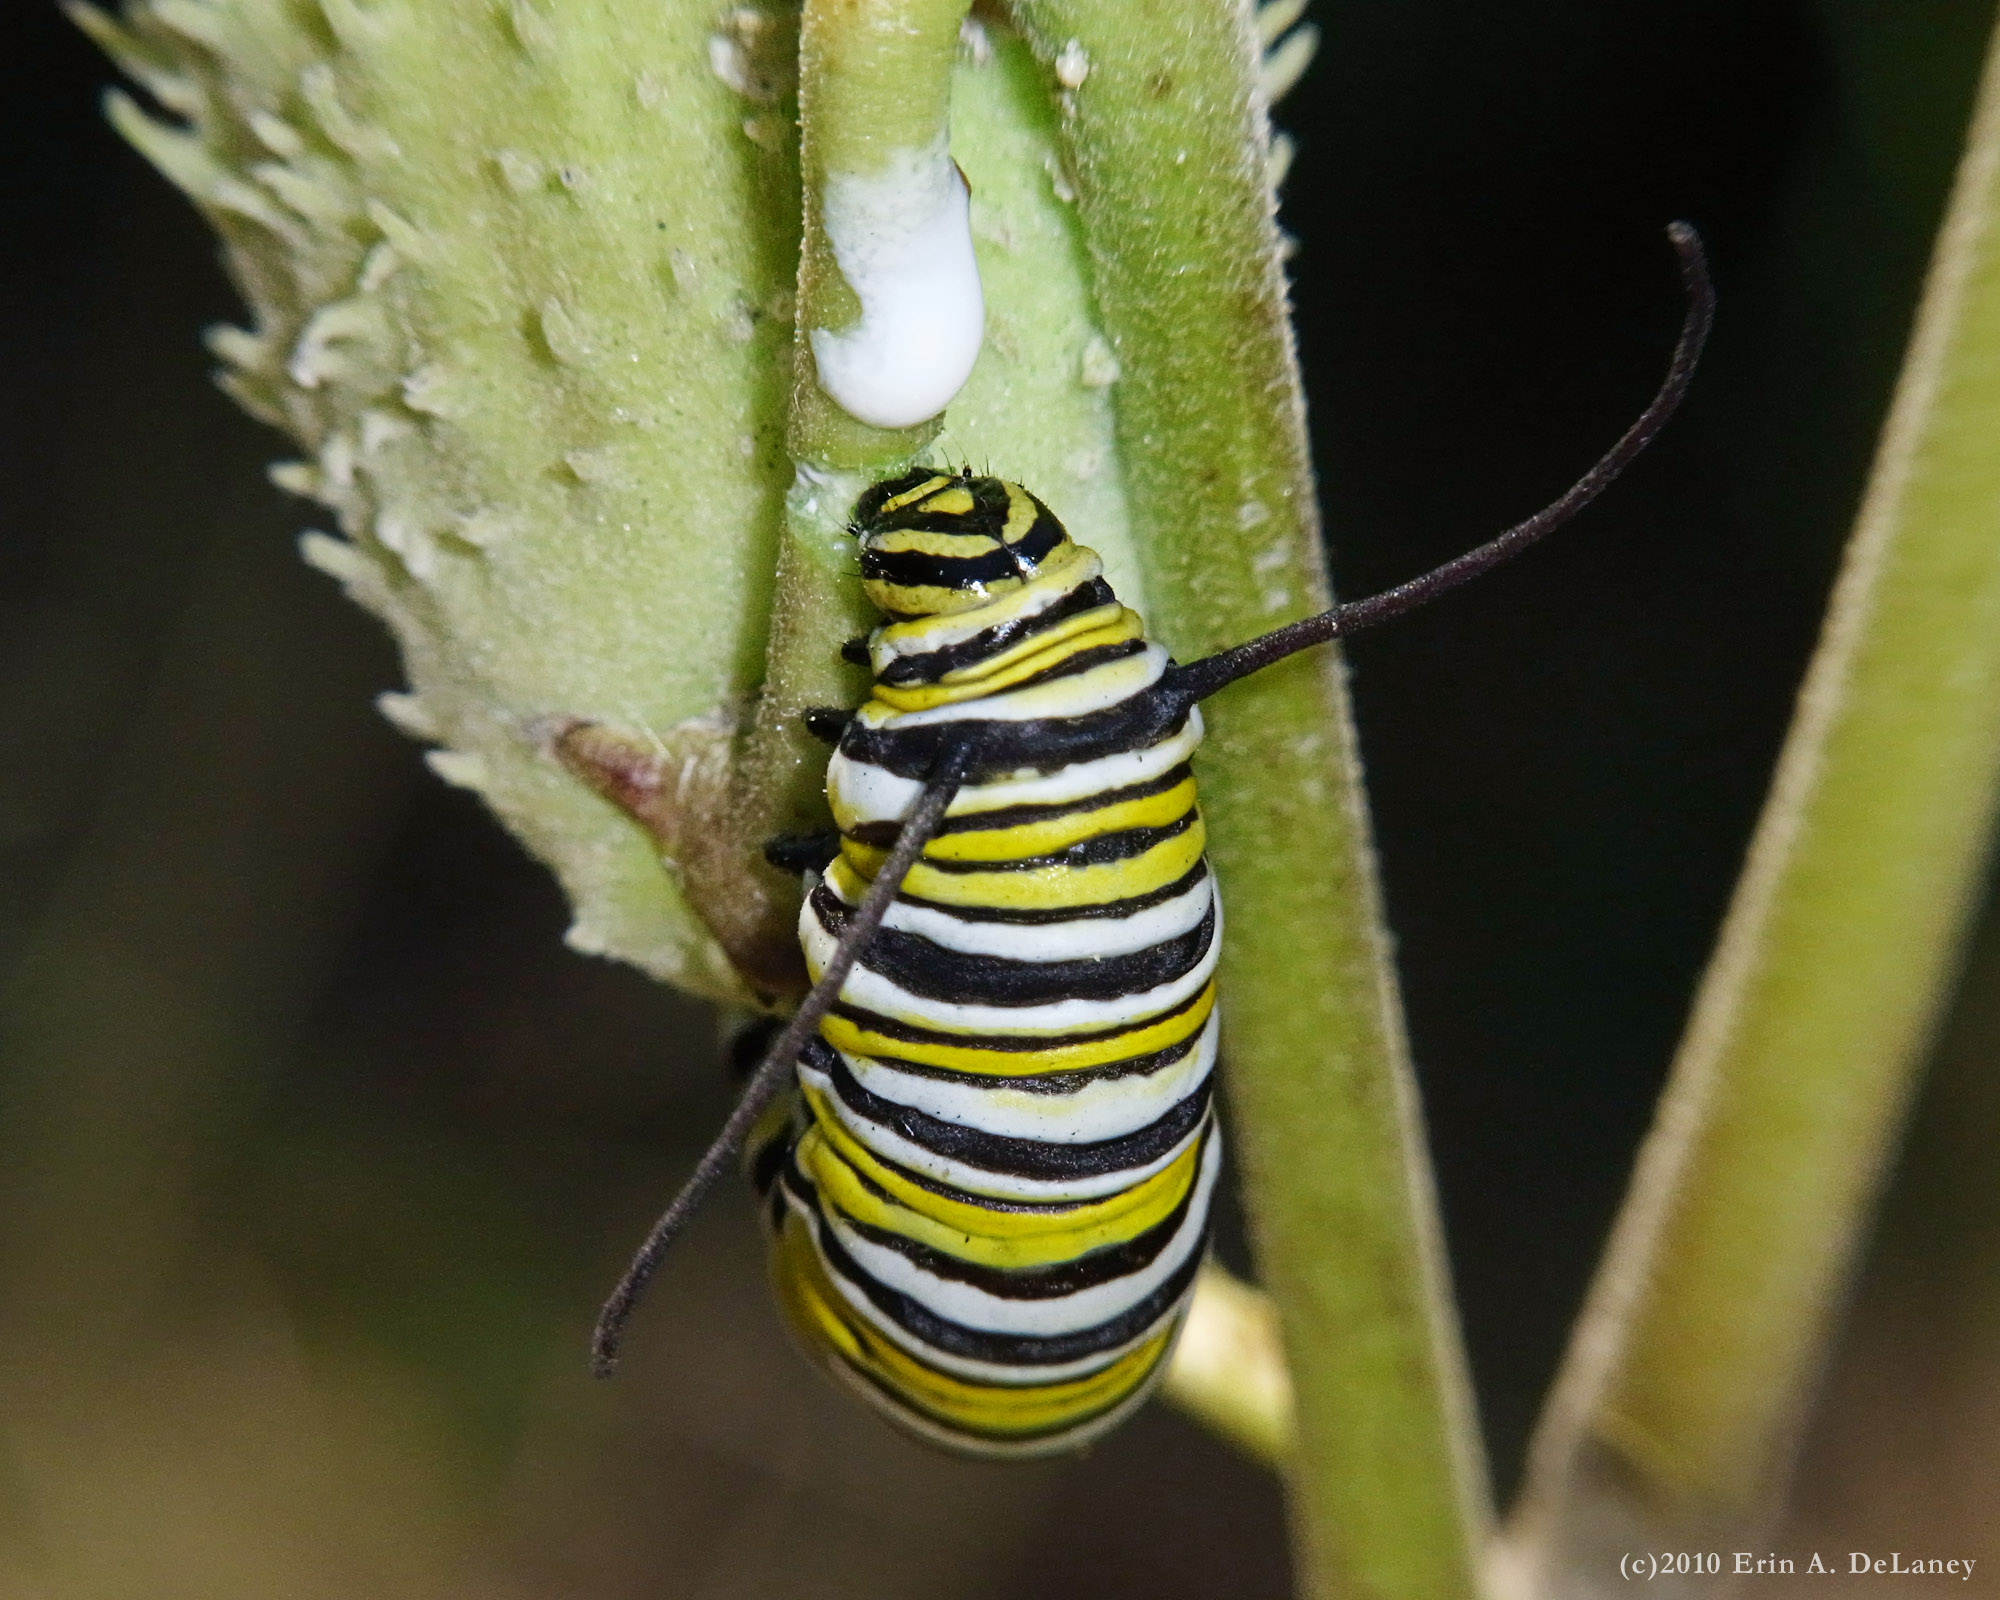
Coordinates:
[321,1146]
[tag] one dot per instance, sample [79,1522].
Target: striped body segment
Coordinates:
[994,1195]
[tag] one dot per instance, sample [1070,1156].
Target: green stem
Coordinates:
[1228,1369]
[1165,130]
[1678,1407]
[874,79]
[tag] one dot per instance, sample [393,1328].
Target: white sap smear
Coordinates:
[1073,65]
[903,239]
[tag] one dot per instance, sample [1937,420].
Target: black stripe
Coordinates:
[923,518]
[1041,541]
[868,509]
[1007,1043]
[1039,915]
[920,967]
[978,1344]
[990,505]
[1075,665]
[1043,743]
[1044,527]
[931,665]
[1043,1160]
[883,835]
[909,1406]
[1052,1083]
[1100,849]
[991,511]
[936,1186]
[1019,816]
[1050,1282]
[987,519]
[913,569]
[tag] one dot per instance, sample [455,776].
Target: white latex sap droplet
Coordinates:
[903,239]
[1099,368]
[1073,65]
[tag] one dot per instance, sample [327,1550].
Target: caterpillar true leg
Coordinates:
[801,853]
[775,1070]
[827,723]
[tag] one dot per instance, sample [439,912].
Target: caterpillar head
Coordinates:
[933,543]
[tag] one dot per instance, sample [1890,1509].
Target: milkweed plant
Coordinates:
[570,310]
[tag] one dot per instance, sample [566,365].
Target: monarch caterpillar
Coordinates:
[990,1195]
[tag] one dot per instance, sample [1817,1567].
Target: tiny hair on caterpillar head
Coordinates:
[988,1198]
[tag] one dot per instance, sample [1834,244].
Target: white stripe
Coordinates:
[1104,1108]
[921,637]
[1098,689]
[1078,939]
[978,1182]
[902,1413]
[1019,1376]
[1057,1019]
[855,1118]
[974,1308]
[860,791]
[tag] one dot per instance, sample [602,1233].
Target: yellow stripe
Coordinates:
[910,495]
[845,882]
[1051,834]
[954,502]
[1052,888]
[1021,514]
[824,1321]
[1058,570]
[838,1164]
[1117,622]
[925,600]
[1049,639]
[810,1302]
[1008,1411]
[927,542]
[1097,689]
[1102,626]
[857,1040]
